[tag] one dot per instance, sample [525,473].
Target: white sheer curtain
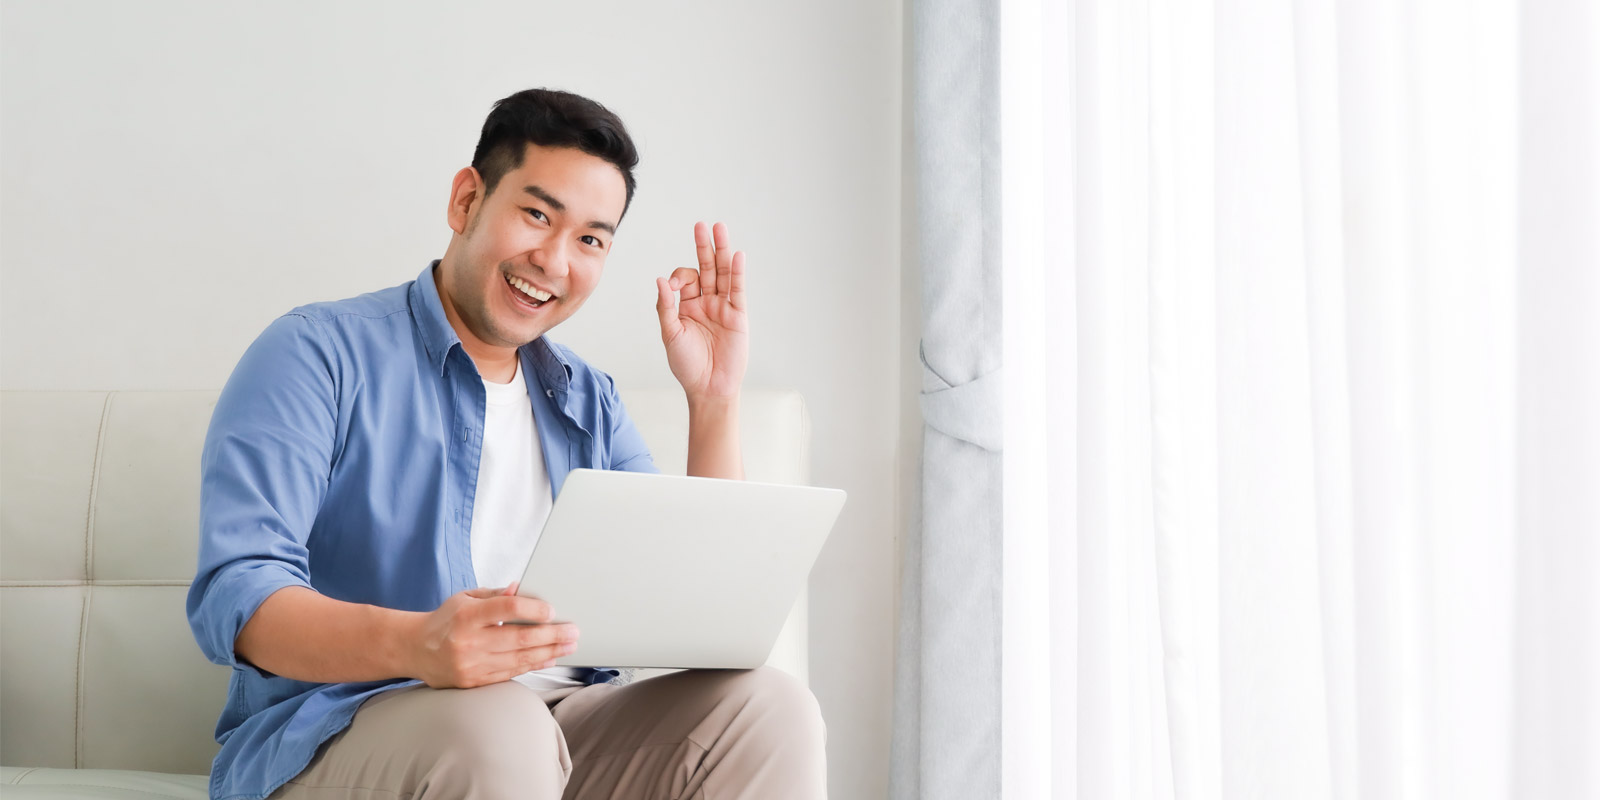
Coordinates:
[1302,433]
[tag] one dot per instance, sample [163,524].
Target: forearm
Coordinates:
[714,439]
[301,634]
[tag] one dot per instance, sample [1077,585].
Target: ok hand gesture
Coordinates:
[705,330]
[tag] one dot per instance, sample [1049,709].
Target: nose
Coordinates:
[551,256]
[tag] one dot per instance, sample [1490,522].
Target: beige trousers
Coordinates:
[702,734]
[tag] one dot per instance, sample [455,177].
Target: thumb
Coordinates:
[486,591]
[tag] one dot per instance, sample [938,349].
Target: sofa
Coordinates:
[103,691]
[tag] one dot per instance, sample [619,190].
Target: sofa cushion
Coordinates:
[68,784]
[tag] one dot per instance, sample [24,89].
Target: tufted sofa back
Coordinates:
[99,517]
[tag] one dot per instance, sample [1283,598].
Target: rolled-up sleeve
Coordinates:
[628,449]
[263,474]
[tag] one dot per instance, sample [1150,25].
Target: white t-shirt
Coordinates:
[512,501]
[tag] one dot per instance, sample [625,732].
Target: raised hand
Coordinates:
[703,322]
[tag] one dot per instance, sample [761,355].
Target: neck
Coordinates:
[494,362]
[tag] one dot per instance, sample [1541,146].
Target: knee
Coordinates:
[786,705]
[497,735]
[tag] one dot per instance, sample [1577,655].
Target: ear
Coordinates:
[466,199]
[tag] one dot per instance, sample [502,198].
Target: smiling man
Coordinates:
[373,480]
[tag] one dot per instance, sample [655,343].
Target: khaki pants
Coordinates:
[703,734]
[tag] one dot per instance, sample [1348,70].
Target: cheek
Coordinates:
[590,281]
[501,234]
[586,270]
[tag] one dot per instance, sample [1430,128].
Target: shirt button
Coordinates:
[549,393]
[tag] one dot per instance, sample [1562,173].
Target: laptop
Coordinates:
[663,571]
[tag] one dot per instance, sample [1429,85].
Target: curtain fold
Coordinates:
[946,726]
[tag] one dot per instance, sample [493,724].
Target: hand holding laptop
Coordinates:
[659,583]
[463,642]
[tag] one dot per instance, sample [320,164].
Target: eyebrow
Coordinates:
[562,207]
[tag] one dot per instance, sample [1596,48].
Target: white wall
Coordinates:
[177,175]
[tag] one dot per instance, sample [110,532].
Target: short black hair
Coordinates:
[552,118]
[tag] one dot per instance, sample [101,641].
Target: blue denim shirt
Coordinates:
[343,456]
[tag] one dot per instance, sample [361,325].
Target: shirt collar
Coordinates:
[553,368]
[427,313]
[438,336]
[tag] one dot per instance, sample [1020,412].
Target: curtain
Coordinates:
[947,715]
[1300,464]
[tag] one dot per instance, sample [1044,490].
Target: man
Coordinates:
[372,480]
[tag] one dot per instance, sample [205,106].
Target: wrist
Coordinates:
[706,405]
[401,634]
[714,438]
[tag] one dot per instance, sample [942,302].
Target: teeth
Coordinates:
[527,289]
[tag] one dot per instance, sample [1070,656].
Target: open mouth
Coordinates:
[525,295]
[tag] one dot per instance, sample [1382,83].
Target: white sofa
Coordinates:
[103,691]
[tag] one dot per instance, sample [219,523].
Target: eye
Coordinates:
[537,214]
[593,241]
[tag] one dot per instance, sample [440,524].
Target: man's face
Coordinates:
[548,227]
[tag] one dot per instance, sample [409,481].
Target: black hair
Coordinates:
[552,118]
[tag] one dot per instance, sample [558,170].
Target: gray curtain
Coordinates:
[947,670]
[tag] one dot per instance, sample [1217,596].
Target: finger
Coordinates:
[686,282]
[667,309]
[510,664]
[736,281]
[507,608]
[719,236]
[512,589]
[540,657]
[708,259]
[485,591]
[518,638]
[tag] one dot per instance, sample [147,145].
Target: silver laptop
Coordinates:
[662,571]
